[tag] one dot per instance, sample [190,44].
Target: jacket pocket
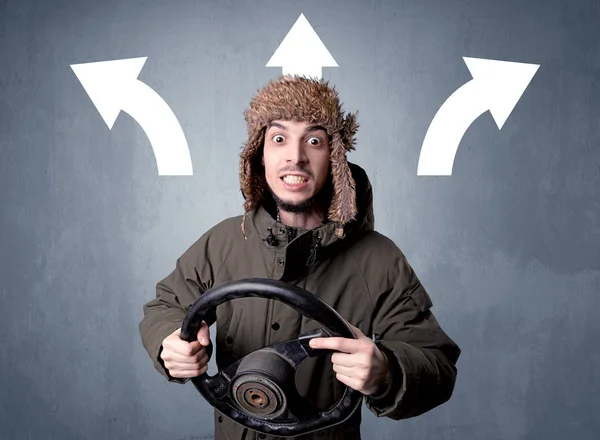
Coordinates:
[420,297]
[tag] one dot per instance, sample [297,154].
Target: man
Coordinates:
[308,220]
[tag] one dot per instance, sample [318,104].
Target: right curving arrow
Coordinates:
[496,86]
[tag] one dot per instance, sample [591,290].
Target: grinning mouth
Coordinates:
[294,179]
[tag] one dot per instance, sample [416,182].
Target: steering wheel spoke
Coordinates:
[219,384]
[296,350]
[319,333]
[216,387]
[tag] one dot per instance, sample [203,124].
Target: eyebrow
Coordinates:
[308,130]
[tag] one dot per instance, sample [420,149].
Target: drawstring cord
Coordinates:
[313,251]
[271,240]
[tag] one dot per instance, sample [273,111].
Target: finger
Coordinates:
[189,373]
[353,373]
[346,371]
[345,359]
[184,348]
[351,382]
[344,345]
[174,342]
[184,359]
[188,364]
[204,334]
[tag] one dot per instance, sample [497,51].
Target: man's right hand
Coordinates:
[186,359]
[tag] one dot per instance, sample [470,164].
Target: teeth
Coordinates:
[294,180]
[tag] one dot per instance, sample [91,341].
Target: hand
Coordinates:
[360,365]
[186,359]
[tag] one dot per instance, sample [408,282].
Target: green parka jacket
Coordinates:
[363,275]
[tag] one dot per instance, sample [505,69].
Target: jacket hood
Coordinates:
[298,98]
[364,220]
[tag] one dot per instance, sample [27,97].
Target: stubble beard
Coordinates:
[296,208]
[319,199]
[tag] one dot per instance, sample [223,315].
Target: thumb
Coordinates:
[204,334]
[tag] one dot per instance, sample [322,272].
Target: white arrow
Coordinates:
[302,52]
[114,86]
[496,86]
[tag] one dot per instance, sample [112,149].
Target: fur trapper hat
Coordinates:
[300,98]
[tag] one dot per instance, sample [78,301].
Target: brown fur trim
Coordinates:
[252,180]
[343,204]
[349,130]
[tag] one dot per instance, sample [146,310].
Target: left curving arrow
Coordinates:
[114,86]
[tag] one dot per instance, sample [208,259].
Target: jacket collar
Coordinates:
[311,245]
[264,223]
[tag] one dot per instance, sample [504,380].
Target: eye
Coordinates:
[277,136]
[312,139]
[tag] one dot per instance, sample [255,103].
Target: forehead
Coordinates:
[294,126]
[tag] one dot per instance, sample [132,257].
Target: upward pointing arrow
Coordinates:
[302,52]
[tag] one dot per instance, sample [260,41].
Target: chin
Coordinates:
[293,199]
[294,196]
[294,203]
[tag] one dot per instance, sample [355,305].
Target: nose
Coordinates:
[296,153]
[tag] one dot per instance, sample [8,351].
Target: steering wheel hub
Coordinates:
[259,386]
[258,396]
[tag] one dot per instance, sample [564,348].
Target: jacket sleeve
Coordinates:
[175,294]
[421,356]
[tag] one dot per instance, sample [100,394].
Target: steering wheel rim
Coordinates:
[216,389]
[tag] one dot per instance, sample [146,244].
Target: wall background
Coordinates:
[507,245]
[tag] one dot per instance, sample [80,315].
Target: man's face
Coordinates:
[296,161]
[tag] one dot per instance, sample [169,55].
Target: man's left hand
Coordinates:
[360,365]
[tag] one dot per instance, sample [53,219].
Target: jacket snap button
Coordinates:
[229,340]
[281,230]
[275,326]
[220,419]
[262,436]
[281,262]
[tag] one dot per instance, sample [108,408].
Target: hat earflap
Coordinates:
[252,179]
[343,203]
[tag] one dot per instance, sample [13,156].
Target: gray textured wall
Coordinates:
[507,245]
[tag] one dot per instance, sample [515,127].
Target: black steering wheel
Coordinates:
[258,391]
